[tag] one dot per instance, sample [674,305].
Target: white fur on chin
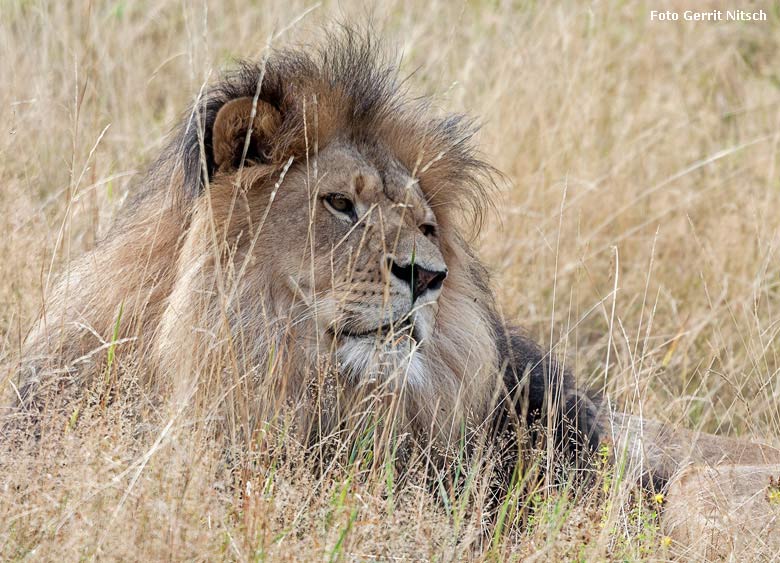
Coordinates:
[395,360]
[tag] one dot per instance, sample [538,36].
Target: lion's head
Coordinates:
[304,214]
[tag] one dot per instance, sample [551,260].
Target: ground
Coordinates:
[635,231]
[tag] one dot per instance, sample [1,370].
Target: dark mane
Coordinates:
[357,93]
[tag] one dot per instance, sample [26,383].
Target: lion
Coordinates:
[303,230]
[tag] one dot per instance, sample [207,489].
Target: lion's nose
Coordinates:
[418,278]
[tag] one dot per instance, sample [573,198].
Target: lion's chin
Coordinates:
[395,360]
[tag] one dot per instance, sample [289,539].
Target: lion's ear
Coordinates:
[234,120]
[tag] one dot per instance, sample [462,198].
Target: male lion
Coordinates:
[300,232]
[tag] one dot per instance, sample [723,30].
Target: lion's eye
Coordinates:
[341,204]
[428,230]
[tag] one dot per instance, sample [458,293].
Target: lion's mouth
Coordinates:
[398,330]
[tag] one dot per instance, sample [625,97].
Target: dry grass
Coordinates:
[638,234]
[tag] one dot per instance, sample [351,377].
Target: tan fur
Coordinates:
[657,452]
[725,512]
